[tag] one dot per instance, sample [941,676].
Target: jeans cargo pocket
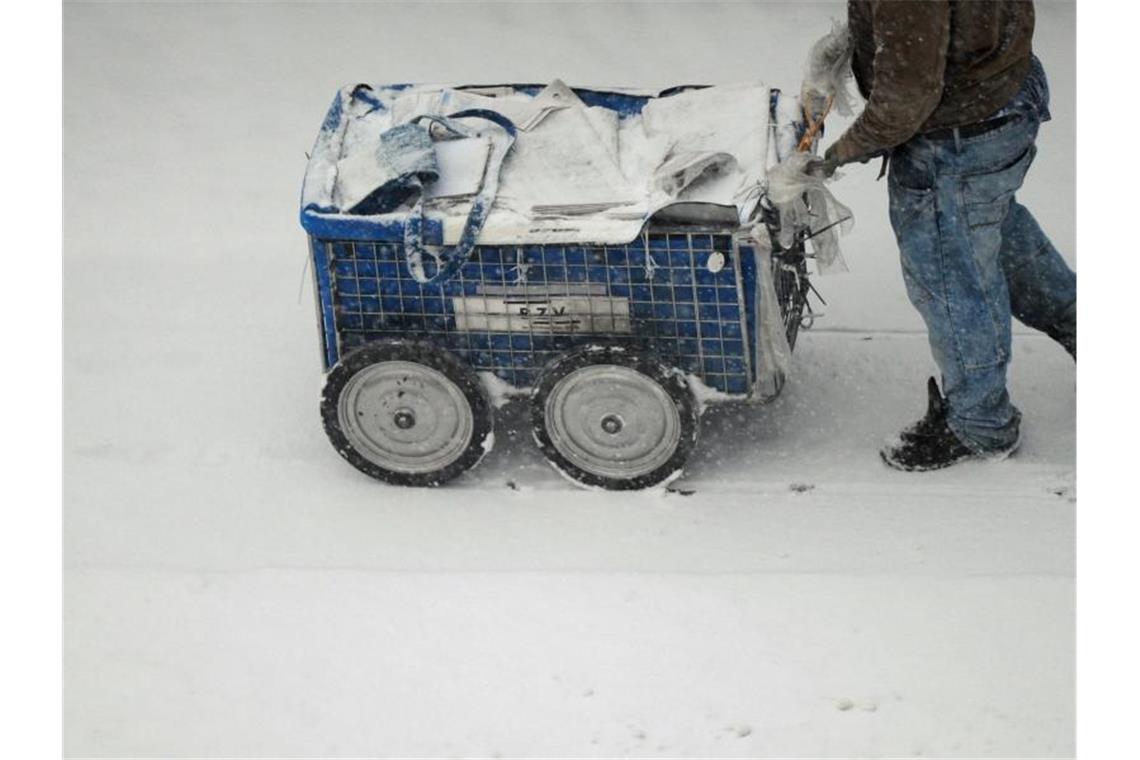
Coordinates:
[986,196]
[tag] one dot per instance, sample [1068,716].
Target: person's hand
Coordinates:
[824,167]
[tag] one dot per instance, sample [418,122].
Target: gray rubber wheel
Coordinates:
[614,418]
[407,413]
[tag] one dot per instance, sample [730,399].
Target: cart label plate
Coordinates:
[534,312]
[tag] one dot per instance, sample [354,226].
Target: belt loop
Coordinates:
[957,140]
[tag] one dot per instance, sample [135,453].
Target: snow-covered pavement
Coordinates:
[239,590]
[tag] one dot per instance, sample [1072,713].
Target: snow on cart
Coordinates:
[613,254]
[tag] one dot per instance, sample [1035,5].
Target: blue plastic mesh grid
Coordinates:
[511,309]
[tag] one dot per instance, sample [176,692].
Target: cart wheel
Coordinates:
[613,417]
[407,413]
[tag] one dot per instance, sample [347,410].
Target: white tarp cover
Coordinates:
[575,173]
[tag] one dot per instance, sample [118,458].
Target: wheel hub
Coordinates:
[612,421]
[612,424]
[405,417]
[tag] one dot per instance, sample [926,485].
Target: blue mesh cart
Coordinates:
[618,347]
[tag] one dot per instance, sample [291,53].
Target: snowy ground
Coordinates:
[234,588]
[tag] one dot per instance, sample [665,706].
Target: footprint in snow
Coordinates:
[846,705]
[1065,492]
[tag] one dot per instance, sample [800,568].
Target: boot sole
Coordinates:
[995,457]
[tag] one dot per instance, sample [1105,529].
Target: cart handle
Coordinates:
[814,125]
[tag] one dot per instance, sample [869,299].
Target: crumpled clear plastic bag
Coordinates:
[827,73]
[802,202]
[773,352]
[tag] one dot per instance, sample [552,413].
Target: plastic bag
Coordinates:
[803,203]
[772,350]
[827,73]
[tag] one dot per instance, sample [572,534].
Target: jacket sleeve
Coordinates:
[911,38]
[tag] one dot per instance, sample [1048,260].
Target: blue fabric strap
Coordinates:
[448,260]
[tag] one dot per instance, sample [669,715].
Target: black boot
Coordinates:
[930,444]
[935,414]
[1067,338]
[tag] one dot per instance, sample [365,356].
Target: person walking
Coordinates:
[955,97]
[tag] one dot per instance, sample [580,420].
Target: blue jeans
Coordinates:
[973,257]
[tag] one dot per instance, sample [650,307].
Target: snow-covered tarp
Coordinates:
[577,171]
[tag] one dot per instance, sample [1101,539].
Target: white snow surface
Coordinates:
[234,588]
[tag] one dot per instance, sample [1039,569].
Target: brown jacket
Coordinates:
[929,64]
